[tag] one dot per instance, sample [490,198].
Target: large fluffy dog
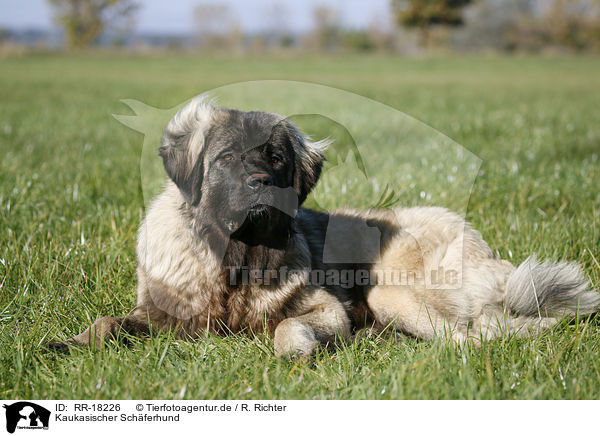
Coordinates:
[226,247]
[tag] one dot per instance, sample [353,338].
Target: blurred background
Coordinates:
[401,27]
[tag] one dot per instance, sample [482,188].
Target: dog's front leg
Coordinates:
[104,328]
[325,318]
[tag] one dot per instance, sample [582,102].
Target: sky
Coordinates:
[176,16]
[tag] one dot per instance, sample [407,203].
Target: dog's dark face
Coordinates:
[245,173]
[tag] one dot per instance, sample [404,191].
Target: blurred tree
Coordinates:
[212,18]
[380,33]
[216,28]
[287,41]
[424,14]
[276,24]
[4,35]
[573,23]
[560,24]
[494,24]
[85,20]
[530,25]
[327,27]
[357,40]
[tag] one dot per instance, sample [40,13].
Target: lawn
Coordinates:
[71,199]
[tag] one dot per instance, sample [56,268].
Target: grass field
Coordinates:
[71,201]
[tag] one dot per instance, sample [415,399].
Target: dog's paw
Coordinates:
[58,346]
[294,339]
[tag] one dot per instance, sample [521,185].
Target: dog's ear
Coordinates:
[185,172]
[183,147]
[308,161]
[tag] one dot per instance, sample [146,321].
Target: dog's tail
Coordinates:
[550,289]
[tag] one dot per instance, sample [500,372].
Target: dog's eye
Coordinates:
[275,159]
[228,157]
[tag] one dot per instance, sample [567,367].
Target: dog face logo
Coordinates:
[26,415]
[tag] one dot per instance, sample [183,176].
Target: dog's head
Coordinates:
[247,172]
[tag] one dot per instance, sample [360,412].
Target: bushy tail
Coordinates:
[550,289]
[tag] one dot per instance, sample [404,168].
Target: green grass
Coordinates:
[71,200]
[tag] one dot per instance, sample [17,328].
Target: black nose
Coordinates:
[257,179]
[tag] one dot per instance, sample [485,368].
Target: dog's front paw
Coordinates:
[294,339]
[59,347]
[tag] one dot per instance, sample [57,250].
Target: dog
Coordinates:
[227,248]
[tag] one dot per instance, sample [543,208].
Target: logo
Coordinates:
[26,415]
[374,158]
